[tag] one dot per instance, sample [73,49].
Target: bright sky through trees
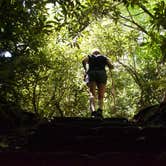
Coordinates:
[6,54]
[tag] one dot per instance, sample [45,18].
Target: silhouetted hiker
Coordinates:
[95,76]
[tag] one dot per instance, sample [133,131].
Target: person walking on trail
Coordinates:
[96,77]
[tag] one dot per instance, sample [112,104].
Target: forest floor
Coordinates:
[83,141]
[26,139]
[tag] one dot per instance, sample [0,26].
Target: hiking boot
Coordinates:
[94,114]
[99,113]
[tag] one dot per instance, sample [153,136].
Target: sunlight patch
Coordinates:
[7,54]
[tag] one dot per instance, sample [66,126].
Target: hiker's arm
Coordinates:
[84,62]
[109,64]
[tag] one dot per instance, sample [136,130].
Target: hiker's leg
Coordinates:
[92,97]
[101,92]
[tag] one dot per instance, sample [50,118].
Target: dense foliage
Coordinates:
[48,39]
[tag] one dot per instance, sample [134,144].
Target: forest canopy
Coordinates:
[42,44]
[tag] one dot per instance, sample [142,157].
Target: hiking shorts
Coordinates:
[98,76]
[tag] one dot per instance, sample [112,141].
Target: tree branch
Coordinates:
[145,10]
[133,22]
[133,73]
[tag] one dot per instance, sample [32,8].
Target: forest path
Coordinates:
[83,141]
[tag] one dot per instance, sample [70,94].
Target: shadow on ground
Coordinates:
[90,141]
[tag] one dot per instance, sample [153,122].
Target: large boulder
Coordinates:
[152,115]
